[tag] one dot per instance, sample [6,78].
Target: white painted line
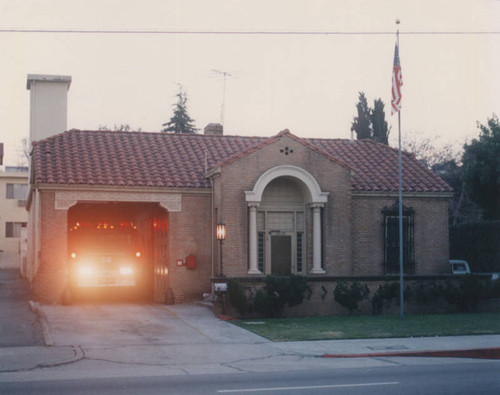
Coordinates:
[305,387]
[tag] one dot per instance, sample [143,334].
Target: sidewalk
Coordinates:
[184,339]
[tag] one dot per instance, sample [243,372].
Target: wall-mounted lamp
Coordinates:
[220,232]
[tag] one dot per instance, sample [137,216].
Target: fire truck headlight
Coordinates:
[85,270]
[126,271]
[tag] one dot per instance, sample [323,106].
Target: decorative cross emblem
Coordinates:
[286,151]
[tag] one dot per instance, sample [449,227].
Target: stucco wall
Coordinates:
[10,211]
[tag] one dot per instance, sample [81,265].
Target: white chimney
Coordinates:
[48,105]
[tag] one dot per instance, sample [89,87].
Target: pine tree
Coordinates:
[361,124]
[180,122]
[380,129]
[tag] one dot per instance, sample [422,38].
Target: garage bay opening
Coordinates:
[115,251]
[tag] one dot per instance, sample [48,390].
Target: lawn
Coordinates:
[378,326]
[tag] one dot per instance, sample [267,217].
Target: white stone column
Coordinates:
[316,269]
[252,232]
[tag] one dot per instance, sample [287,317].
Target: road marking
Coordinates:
[305,387]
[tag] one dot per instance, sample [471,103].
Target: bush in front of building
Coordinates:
[388,293]
[383,296]
[466,291]
[427,292]
[270,299]
[495,288]
[236,296]
[279,291]
[350,295]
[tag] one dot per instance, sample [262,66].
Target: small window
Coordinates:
[13,229]
[299,251]
[260,250]
[17,191]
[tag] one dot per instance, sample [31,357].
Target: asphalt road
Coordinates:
[18,324]
[453,378]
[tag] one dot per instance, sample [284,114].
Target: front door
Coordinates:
[281,255]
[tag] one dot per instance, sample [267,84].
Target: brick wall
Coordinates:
[49,283]
[352,231]
[190,232]
[430,237]
[242,175]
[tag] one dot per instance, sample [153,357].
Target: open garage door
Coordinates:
[113,251]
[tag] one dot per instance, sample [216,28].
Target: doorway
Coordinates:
[281,255]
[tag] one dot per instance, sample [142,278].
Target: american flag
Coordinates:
[397,82]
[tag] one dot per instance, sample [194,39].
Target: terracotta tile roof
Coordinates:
[180,161]
[376,166]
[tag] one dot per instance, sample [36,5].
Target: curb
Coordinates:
[42,319]
[478,353]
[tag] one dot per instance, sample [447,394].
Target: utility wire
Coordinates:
[241,32]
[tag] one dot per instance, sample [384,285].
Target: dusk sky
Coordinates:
[307,83]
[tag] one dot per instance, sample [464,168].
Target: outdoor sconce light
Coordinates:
[221,231]
[221,236]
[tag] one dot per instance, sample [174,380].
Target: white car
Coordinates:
[459,266]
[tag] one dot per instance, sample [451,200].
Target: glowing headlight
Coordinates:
[85,271]
[124,271]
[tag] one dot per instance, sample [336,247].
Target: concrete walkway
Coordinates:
[122,340]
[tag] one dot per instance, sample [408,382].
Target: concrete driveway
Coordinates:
[19,325]
[136,324]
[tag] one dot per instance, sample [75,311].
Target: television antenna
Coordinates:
[224,74]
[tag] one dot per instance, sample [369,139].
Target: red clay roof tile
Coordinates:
[180,161]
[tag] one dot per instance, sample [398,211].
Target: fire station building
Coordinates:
[322,208]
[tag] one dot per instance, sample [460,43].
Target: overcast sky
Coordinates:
[306,83]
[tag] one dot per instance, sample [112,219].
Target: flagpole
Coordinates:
[400,192]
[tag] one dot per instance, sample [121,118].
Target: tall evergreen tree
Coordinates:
[362,123]
[481,167]
[180,122]
[379,124]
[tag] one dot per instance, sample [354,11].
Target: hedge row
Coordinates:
[477,243]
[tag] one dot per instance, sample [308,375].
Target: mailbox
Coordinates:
[220,287]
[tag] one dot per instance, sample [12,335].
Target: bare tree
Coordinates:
[23,153]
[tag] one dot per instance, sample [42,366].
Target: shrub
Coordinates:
[466,291]
[495,288]
[386,293]
[236,296]
[349,296]
[383,296]
[278,292]
[427,293]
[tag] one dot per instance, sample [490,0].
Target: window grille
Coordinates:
[299,252]
[260,250]
[391,241]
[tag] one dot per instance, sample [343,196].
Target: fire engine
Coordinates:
[104,254]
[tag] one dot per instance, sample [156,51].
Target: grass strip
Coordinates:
[373,326]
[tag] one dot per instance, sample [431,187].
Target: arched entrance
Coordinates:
[278,206]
